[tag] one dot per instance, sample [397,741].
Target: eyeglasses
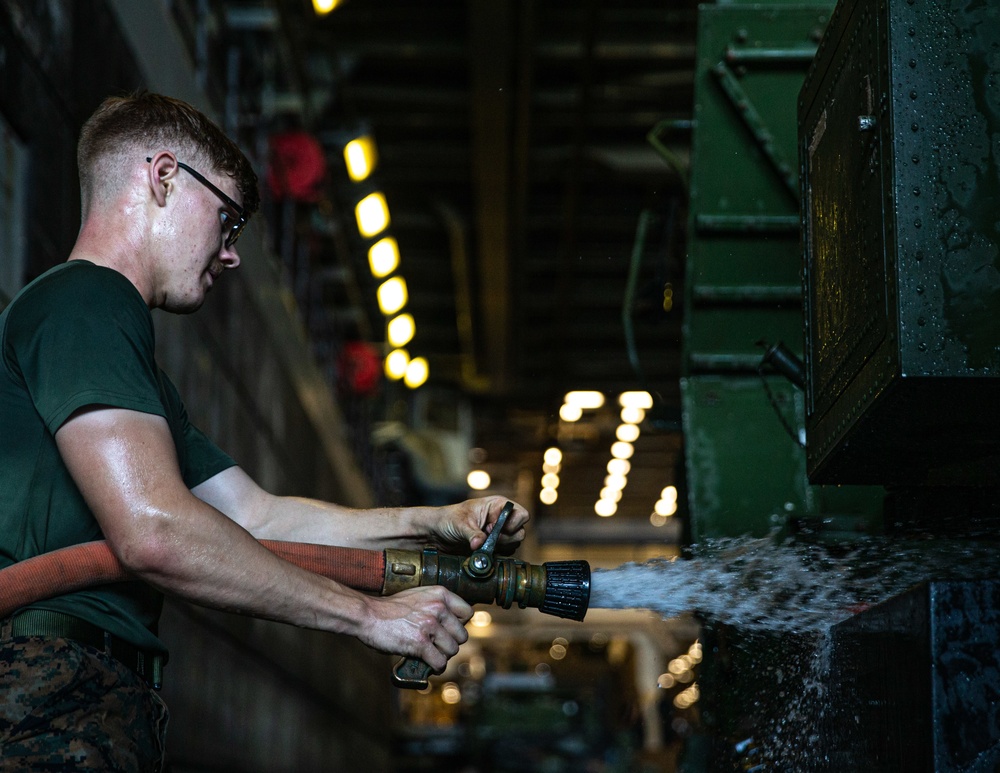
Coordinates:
[237,229]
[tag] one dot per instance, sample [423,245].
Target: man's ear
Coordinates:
[161,169]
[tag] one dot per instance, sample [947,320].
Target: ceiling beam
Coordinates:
[490,33]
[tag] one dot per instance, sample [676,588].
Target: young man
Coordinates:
[95,444]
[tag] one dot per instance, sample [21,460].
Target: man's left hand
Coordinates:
[466,525]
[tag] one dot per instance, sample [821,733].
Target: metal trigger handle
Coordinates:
[491,541]
[480,564]
[413,673]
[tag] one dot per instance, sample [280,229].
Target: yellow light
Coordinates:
[548,496]
[400,330]
[416,373]
[552,455]
[557,651]
[323,7]
[570,413]
[550,480]
[619,466]
[614,494]
[392,295]
[627,432]
[658,520]
[632,415]
[666,681]
[551,468]
[605,508]
[478,480]
[360,156]
[622,450]
[482,619]
[395,364]
[383,257]
[372,213]
[669,493]
[664,507]
[451,694]
[636,400]
[615,481]
[585,400]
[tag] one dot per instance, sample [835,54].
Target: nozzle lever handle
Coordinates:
[411,674]
[489,546]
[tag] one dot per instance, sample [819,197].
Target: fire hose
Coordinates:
[559,588]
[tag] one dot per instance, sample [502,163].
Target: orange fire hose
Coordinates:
[93,563]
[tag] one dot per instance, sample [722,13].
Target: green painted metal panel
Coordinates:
[746,475]
[726,338]
[746,470]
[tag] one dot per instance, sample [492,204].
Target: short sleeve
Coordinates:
[199,458]
[83,337]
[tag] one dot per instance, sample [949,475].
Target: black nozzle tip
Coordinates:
[567,589]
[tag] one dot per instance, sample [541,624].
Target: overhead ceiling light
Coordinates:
[400,330]
[585,400]
[619,466]
[552,455]
[478,480]
[606,508]
[622,450]
[550,480]
[395,364]
[548,496]
[383,257]
[481,619]
[416,373]
[665,507]
[360,156]
[636,400]
[632,415]
[627,432]
[614,494]
[392,295]
[323,7]
[570,413]
[372,213]
[615,481]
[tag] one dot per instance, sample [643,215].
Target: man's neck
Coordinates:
[117,253]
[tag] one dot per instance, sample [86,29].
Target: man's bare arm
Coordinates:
[125,465]
[459,527]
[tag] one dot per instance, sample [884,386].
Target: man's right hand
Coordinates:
[426,623]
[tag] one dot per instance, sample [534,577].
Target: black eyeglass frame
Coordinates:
[236,231]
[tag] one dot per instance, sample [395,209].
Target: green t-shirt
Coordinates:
[80,335]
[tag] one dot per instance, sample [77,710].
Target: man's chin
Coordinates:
[185,306]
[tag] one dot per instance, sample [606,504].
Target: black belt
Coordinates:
[39,622]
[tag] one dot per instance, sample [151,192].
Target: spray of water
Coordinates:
[757,584]
[784,599]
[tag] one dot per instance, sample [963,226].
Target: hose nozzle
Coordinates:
[559,588]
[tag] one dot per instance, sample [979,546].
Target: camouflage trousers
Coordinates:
[68,707]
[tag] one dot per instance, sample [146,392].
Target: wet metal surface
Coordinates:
[899,126]
[918,681]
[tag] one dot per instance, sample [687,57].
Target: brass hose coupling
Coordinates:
[559,588]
